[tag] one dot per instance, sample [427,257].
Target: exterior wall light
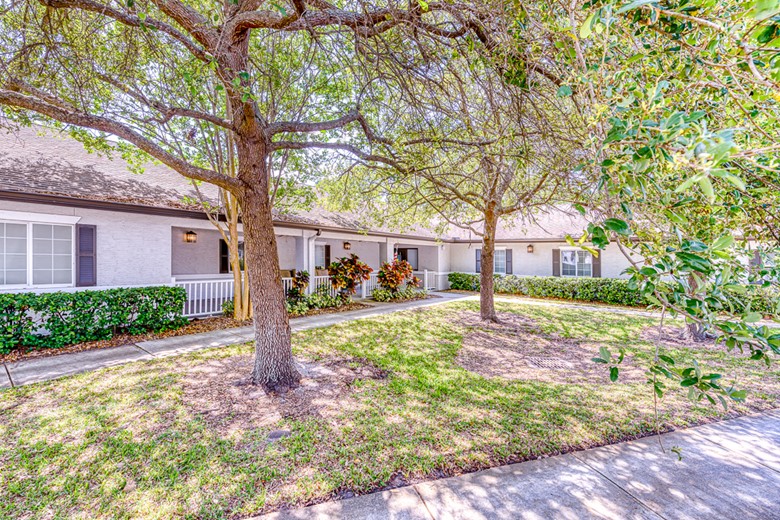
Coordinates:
[347,246]
[190,237]
[530,248]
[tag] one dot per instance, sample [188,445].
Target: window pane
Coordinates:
[16,245]
[42,277]
[499,261]
[62,276]
[62,247]
[584,264]
[16,262]
[15,277]
[62,262]
[13,254]
[52,255]
[63,232]
[42,245]
[42,231]
[16,230]
[568,263]
[42,262]
[319,256]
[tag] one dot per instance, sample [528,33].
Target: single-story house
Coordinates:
[70,219]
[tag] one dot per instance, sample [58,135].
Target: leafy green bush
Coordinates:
[616,291]
[300,281]
[605,290]
[393,276]
[228,307]
[347,273]
[297,307]
[321,298]
[463,281]
[404,293]
[56,319]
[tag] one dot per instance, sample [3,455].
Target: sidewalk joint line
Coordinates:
[425,504]
[139,347]
[8,373]
[621,488]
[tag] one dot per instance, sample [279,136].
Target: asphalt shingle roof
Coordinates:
[44,161]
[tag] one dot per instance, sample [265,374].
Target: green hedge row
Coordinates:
[614,291]
[605,290]
[56,319]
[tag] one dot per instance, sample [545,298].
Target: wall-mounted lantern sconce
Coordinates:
[190,237]
[530,248]
[347,246]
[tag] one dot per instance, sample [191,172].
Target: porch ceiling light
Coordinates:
[347,246]
[530,248]
[190,237]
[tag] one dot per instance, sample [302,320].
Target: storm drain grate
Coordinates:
[549,363]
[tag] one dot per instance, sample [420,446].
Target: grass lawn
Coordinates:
[386,401]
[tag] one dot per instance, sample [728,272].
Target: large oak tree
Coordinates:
[136,70]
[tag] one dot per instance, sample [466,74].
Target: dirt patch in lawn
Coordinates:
[515,348]
[219,392]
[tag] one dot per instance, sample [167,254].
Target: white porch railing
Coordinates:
[205,296]
[315,282]
[367,287]
[433,280]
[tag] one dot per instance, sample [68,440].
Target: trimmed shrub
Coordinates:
[463,281]
[605,290]
[57,319]
[615,291]
[404,293]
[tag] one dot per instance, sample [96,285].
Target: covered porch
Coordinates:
[200,264]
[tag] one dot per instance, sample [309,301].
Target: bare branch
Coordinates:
[132,21]
[102,124]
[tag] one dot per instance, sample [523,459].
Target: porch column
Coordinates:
[300,253]
[386,251]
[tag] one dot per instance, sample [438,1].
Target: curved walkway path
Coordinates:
[35,370]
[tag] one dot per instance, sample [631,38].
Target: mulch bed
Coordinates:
[195,326]
[231,405]
[516,349]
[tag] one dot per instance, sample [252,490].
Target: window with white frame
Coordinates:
[576,263]
[36,254]
[499,261]
[13,254]
[319,256]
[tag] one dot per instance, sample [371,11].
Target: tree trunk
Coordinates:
[274,367]
[487,309]
[695,331]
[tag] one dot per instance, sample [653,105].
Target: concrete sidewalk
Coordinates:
[36,370]
[729,470]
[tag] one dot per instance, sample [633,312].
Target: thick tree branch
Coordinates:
[283,127]
[354,150]
[131,21]
[102,124]
[166,111]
